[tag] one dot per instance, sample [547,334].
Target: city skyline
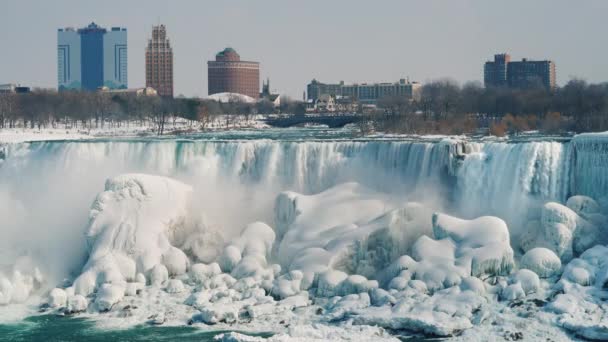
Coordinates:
[294,45]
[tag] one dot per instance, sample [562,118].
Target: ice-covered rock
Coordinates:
[254,245]
[567,230]
[202,272]
[583,205]
[132,228]
[513,292]
[443,314]
[288,284]
[76,304]
[174,286]
[483,243]
[529,281]
[329,281]
[159,275]
[57,298]
[473,284]
[541,261]
[339,221]
[108,295]
[229,258]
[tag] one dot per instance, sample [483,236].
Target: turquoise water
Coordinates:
[60,328]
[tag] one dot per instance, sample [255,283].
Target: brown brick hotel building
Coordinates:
[228,74]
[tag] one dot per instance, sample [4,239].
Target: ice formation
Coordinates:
[335,258]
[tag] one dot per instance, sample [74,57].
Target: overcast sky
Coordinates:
[295,41]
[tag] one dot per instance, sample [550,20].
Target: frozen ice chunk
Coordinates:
[135,226]
[75,304]
[513,292]
[329,281]
[541,261]
[202,272]
[484,241]
[288,284]
[229,258]
[159,275]
[108,295]
[583,205]
[174,286]
[176,261]
[473,284]
[529,280]
[57,298]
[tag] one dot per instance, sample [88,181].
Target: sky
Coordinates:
[296,41]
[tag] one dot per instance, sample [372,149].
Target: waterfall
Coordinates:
[473,178]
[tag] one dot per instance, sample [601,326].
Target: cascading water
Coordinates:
[494,178]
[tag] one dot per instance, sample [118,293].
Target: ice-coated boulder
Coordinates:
[159,275]
[541,261]
[329,281]
[174,286]
[473,284]
[175,261]
[567,230]
[590,269]
[230,256]
[441,314]
[202,272]
[75,304]
[108,295]
[333,220]
[254,245]
[529,281]
[288,284]
[583,205]
[512,292]
[133,227]
[483,243]
[57,298]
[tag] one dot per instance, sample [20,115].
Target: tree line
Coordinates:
[88,110]
[444,107]
[449,108]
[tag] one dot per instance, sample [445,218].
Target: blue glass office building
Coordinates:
[92,57]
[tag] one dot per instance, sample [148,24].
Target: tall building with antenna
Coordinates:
[159,62]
